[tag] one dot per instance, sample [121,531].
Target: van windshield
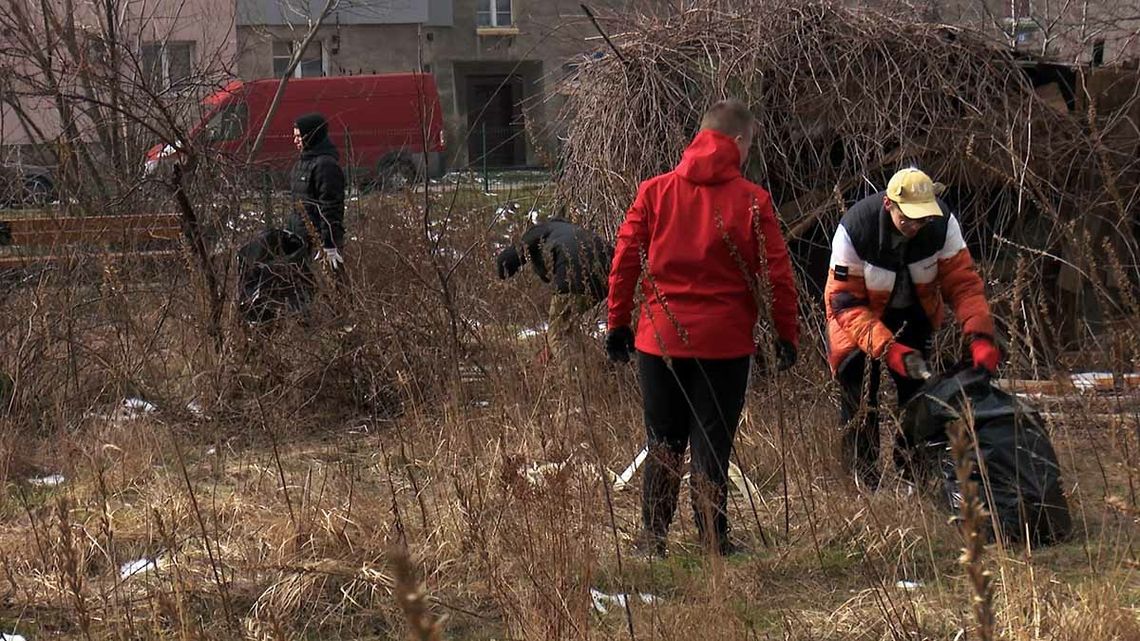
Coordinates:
[227,123]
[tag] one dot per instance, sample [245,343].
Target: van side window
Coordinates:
[228,123]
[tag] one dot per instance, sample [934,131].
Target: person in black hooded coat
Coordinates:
[317,183]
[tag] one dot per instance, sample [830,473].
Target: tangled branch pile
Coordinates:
[844,98]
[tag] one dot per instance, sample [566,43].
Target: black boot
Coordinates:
[861,456]
[710,502]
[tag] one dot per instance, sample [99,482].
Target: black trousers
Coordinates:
[861,437]
[697,402]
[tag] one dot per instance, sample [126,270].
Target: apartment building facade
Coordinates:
[496,62]
[175,48]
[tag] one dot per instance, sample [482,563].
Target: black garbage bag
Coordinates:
[1019,479]
[274,277]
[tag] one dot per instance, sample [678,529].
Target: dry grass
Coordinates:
[275,514]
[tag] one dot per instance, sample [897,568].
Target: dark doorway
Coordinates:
[496,136]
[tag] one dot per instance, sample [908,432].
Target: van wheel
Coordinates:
[38,192]
[395,174]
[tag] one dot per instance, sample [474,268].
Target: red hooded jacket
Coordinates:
[707,234]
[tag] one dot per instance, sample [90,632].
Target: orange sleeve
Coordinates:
[962,286]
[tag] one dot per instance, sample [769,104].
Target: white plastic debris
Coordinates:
[1092,380]
[537,473]
[908,585]
[603,601]
[600,330]
[1086,381]
[532,332]
[742,482]
[50,480]
[195,408]
[131,568]
[481,403]
[11,637]
[139,405]
[623,479]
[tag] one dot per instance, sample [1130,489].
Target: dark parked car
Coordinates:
[24,185]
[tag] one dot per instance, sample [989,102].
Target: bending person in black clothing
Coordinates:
[317,184]
[576,262]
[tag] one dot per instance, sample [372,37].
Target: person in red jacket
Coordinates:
[894,258]
[713,254]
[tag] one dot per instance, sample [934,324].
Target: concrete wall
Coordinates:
[209,24]
[298,12]
[1066,30]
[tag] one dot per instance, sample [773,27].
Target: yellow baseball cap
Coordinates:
[914,192]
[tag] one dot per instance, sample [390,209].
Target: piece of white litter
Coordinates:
[11,637]
[131,568]
[601,329]
[481,403]
[602,601]
[194,408]
[212,451]
[908,585]
[139,405]
[50,480]
[742,482]
[532,332]
[536,473]
[624,478]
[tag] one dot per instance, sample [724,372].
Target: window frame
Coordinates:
[494,11]
[163,51]
[297,71]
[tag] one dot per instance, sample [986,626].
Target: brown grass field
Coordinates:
[374,475]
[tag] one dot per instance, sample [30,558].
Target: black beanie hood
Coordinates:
[314,130]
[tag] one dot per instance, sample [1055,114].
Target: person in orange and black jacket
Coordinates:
[709,238]
[896,256]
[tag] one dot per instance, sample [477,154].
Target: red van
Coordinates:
[388,127]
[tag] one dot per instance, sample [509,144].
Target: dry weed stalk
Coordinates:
[971,524]
[413,600]
[69,562]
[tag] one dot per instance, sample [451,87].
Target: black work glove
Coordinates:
[786,355]
[619,344]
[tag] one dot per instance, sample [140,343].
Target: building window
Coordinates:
[312,64]
[493,13]
[168,65]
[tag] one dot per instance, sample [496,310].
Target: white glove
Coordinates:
[331,256]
